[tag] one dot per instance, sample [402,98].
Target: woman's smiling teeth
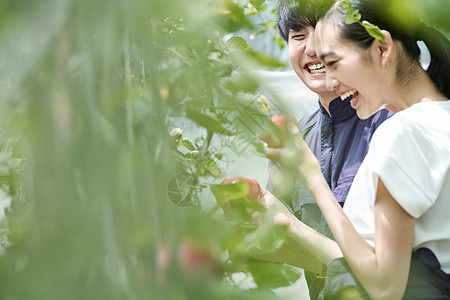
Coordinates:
[347,94]
[316,68]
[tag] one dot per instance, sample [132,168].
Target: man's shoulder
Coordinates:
[379,117]
[374,121]
[306,123]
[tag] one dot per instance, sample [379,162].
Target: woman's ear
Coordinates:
[386,48]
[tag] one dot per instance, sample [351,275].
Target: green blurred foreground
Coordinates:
[103,185]
[90,92]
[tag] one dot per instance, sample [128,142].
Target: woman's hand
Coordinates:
[274,207]
[291,152]
[303,247]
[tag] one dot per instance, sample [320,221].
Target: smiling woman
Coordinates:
[381,64]
[394,210]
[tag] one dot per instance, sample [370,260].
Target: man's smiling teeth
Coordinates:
[316,68]
[347,94]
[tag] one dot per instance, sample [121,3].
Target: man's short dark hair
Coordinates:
[298,14]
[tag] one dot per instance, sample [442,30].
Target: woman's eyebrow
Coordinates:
[324,55]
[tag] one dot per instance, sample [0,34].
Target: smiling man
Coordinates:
[335,134]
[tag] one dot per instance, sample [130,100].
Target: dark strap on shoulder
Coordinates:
[426,278]
[426,281]
[341,283]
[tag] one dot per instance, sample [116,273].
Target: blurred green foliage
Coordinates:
[90,94]
[94,100]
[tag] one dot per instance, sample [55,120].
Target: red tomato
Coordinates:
[195,258]
[280,120]
[276,140]
[254,187]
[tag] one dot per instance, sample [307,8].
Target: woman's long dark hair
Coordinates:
[376,12]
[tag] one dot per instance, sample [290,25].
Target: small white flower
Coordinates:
[176,131]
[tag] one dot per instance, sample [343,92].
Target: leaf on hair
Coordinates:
[373,30]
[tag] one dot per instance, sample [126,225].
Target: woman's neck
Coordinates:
[419,89]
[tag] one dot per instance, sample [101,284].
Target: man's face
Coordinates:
[304,61]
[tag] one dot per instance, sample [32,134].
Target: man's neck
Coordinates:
[325,100]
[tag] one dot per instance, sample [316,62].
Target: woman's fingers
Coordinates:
[270,139]
[276,154]
[277,137]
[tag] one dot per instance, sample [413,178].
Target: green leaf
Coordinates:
[227,192]
[266,60]
[373,30]
[267,24]
[192,155]
[246,147]
[188,144]
[262,9]
[279,42]
[237,14]
[266,239]
[236,192]
[346,5]
[249,203]
[238,43]
[228,23]
[273,275]
[262,31]
[241,83]
[352,16]
[210,165]
[207,121]
[257,3]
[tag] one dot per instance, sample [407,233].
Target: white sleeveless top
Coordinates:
[410,152]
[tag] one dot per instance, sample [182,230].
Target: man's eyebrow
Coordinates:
[324,55]
[295,31]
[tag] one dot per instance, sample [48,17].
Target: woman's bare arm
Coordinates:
[383,269]
[304,247]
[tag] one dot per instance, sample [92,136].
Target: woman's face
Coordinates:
[351,71]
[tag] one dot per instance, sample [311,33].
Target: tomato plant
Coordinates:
[99,158]
[114,119]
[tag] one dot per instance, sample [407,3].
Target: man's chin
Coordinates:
[317,87]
